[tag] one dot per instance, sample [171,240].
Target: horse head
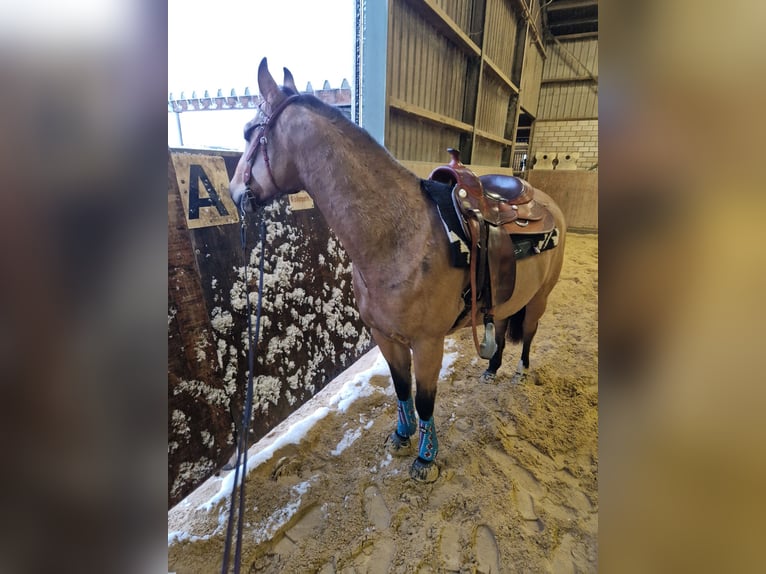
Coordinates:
[266,170]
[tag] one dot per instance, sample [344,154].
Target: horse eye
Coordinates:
[248,133]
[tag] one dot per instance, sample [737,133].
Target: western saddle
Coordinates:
[493,208]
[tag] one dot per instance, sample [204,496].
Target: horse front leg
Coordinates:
[399,362]
[427,356]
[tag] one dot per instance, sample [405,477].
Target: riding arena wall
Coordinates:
[480,77]
[310,330]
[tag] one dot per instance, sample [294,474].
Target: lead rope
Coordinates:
[242,439]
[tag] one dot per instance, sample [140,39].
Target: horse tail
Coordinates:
[515,325]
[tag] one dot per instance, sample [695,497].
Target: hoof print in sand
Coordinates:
[375,508]
[450,549]
[486,551]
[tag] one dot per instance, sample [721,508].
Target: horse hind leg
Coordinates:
[497,359]
[528,323]
[522,367]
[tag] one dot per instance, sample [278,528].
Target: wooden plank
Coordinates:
[429,86]
[500,75]
[488,152]
[439,106]
[578,36]
[204,187]
[570,4]
[566,119]
[429,115]
[574,22]
[395,56]
[503,27]
[411,77]
[592,57]
[492,137]
[531,73]
[440,20]
[584,99]
[570,80]
[190,334]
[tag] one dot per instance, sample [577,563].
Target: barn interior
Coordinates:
[513,85]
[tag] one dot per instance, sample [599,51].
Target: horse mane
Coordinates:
[361,154]
[336,117]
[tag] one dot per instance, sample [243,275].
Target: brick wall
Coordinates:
[579,136]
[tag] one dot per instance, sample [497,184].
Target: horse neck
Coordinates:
[364,194]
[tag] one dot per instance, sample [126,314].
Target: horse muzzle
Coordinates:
[245,200]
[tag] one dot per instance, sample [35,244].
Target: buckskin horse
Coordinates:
[408,290]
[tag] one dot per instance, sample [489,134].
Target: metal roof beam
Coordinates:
[570,5]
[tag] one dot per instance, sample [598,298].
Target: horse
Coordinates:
[407,292]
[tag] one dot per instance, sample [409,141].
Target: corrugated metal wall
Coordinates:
[569,81]
[501,32]
[562,60]
[530,82]
[567,124]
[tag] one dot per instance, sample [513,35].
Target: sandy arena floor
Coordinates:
[518,490]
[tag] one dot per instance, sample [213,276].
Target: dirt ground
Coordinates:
[518,490]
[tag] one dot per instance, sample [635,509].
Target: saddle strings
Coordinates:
[241,463]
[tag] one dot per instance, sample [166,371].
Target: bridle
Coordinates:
[262,140]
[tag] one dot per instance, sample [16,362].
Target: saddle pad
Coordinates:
[441,195]
[524,245]
[528,245]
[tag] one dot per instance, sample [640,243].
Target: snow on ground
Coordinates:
[338,396]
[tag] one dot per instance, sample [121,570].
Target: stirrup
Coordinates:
[488,346]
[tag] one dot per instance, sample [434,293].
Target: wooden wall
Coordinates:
[311,329]
[575,191]
[426,110]
[459,73]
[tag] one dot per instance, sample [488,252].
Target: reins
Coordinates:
[237,500]
[239,510]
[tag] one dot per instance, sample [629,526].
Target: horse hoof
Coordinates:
[424,471]
[487,377]
[399,446]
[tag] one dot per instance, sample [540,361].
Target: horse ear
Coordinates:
[268,87]
[289,82]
